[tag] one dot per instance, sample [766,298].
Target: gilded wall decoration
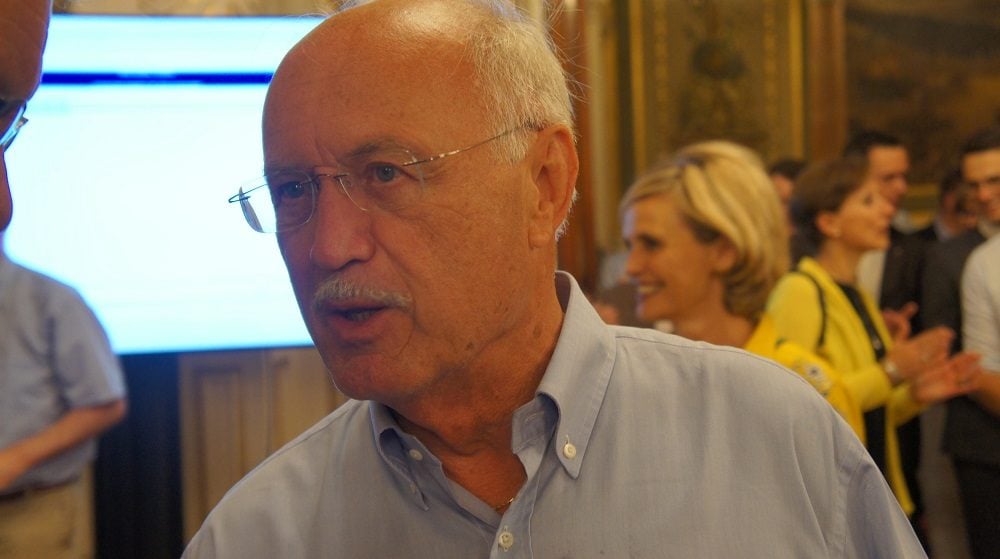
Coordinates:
[705,69]
[927,72]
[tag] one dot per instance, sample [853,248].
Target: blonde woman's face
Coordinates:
[676,275]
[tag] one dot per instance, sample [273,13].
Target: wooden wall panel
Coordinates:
[577,249]
[826,86]
[239,407]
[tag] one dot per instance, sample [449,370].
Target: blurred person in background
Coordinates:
[891,275]
[60,384]
[971,431]
[981,324]
[839,210]
[956,208]
[940,294]
[705,234]
[783,174]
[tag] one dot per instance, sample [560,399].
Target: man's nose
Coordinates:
[341,230]
[984,191]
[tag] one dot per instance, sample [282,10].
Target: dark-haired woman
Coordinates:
[839,212]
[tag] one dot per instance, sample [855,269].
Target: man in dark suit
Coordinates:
[896,280]
[972,434]
[894,277]
[956,210]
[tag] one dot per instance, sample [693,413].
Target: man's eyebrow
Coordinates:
[992,177]
[375,146]
[272,169]
[365,149]
[362,151]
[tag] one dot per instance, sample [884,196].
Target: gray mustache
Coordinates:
[336,290]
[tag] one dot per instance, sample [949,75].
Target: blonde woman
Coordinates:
[706,238]
[841,215]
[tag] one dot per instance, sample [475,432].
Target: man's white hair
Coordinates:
[518,73]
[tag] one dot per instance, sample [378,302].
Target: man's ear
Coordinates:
[554,167]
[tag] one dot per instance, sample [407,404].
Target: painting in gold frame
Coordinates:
[706,69]
[926,72]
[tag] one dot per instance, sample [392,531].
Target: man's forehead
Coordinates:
[426,17]
[887,153]
[348,65]
[982,163]
[385,30]
[887,158]
[356,46]
[323,73]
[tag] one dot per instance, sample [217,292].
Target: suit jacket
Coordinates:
[903,269]
[940,300]
[901,284]
[970,432]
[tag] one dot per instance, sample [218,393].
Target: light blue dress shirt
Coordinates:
[638,444]
[54,357]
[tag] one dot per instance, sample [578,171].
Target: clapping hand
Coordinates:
[947,378]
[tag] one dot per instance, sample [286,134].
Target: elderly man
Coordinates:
[420,166]
[60,385]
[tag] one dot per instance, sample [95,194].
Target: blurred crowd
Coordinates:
[818,266]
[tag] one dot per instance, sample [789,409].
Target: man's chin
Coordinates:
[369,377]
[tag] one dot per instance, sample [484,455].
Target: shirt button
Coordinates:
[569,451]
[506,540]
[415,454]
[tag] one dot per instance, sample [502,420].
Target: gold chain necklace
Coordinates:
[502,506]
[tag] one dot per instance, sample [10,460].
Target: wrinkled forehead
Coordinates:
[366,69]
[23,28]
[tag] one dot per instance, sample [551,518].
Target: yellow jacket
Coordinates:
[797,313]
[825,379]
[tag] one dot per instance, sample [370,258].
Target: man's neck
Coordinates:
[988,228]
[483,463]
[467,422]
[946,226]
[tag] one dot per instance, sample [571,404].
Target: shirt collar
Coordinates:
[390,439]
[575,381]
[987,228]
[578,373]
[390,443]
